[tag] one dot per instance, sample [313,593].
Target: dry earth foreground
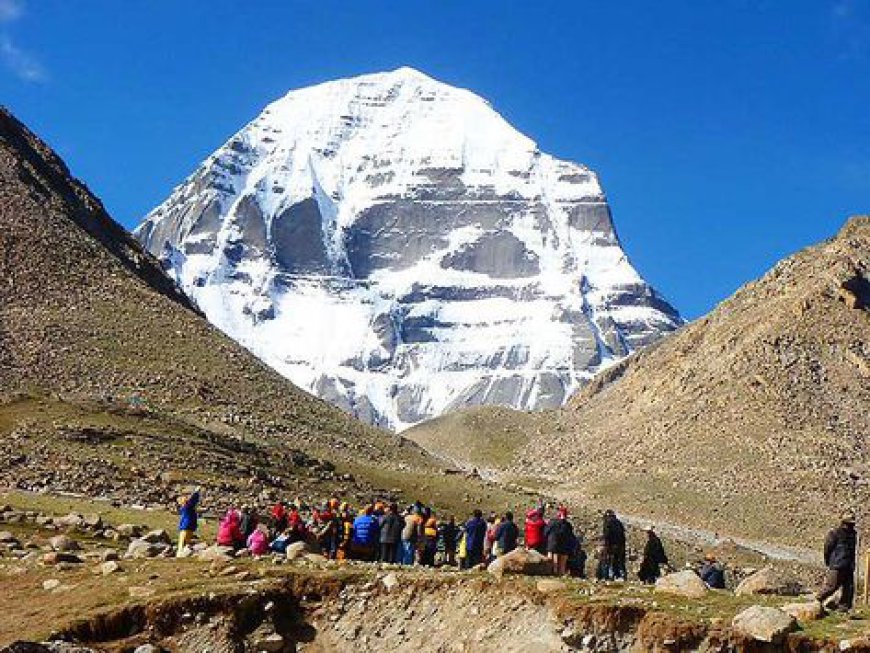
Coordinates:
[92,581]
[751,422]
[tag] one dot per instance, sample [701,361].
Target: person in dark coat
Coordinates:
[448,534]
[390,534]
[713,573]
[653,557]
[559,534]
[507,534]
[475,534]
[613,533]
[840,547]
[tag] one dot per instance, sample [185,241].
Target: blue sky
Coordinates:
[727,134]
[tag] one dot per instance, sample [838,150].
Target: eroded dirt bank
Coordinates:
[407,612]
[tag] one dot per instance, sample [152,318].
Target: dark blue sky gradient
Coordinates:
[727,134]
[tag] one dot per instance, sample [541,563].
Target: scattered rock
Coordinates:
[64,543]
[550,585]
[157,537]
[50,584]
[682,583]
[216,553]
[128,530]
[296,550]
[148,648]
[59,557]
[764,624]
[273,643]
[521,561]
[7,538]
[390,581]
[769,581]
[110,567]
[145,549]
[804,612]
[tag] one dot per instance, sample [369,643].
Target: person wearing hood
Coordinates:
[187,519]
[229,531]
[613,533]
[258,541]
[365,535]
[390,534]
[534,531]
[839,552]
[559,534]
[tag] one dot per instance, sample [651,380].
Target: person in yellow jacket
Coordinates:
[430,539]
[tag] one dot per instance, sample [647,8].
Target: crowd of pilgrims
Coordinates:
[415,535]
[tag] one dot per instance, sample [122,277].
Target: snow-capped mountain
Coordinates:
[393,245]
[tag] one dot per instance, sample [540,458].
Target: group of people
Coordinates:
[382,532]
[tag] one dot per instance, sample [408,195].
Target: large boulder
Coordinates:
[764,624]
[682,583]
[770,581]
[521,561]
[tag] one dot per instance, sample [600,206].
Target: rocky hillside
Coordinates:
[751,421]
[111,384]
[393,245]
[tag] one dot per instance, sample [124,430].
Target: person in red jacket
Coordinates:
[535,525]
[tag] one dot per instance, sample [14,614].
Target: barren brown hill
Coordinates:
[111,384]
[753,421]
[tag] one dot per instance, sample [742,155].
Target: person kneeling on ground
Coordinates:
[229,531]
[840,546]
[713,573]
[258,541]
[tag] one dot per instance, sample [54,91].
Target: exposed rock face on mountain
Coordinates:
[752,421]
[393,245]
[112,385]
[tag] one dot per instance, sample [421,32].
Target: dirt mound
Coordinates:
[750,421]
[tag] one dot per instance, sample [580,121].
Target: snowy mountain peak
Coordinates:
[392,244]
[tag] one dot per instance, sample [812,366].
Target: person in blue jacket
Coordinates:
[187,520]
[366,531]
[475,534]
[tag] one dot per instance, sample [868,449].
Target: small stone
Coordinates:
[110,567]
[148,648]
[50,584]
[64,543]
[550,585]
[804,612]
[390,581]
[157,537]
[59,558]
[273,643]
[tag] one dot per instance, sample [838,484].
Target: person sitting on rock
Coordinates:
[187,519]
[475,534]
[713,573]
[534,531]
[653,557]
[229,533]
[507,534]
[258,541]
[839,553]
